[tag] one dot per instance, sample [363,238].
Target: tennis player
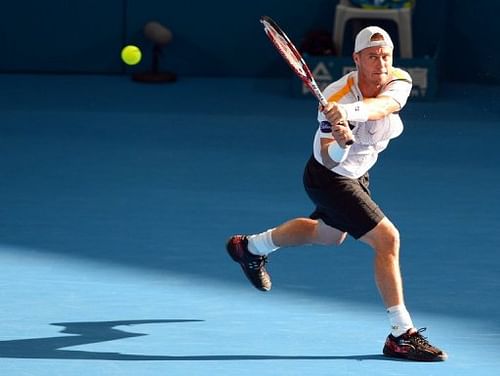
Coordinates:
[363,106]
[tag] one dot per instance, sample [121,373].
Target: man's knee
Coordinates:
[390,235]
[384,237]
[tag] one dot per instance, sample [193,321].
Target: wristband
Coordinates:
[356,111]
[337,153]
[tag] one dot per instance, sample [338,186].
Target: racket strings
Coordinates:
[285,50]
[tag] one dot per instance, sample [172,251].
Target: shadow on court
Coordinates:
[84,333]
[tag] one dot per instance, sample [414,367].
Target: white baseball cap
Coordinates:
[363,39]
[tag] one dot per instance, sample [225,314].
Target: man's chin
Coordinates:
[380,79]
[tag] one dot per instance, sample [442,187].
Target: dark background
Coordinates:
[224,38]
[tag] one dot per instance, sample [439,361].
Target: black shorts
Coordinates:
[341,202]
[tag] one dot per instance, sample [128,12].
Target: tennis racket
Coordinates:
[293,57]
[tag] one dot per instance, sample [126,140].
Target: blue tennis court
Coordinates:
[116,200]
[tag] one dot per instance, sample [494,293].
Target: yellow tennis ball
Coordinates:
[131,55]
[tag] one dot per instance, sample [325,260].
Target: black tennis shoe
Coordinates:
[253,266]
[413,346]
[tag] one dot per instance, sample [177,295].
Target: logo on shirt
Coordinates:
[325,127]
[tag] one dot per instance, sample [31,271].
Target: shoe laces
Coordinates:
[257,263]
[419,339]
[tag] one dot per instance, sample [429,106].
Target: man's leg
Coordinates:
[384,239]
[404,341]
[300,231]
[251,251]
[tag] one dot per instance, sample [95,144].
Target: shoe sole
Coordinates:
[228,249]
[390,354]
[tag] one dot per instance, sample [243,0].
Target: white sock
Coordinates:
[400,320]
[262,244]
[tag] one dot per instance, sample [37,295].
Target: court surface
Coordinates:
[116,200]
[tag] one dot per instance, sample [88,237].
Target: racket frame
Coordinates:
[272,30]
[276,35]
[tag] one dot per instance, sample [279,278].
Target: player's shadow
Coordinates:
[84,333]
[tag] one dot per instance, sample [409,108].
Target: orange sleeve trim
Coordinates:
[335,97]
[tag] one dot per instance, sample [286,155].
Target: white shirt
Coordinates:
[371,137]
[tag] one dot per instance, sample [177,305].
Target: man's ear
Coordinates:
[355,57]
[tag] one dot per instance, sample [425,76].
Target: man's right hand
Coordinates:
[334,113]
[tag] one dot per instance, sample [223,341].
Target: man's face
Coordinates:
[374,64]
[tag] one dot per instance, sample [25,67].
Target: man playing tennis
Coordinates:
[336,180]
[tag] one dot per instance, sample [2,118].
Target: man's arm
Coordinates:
[339,115]
[367,109]
[380,107]
[328,162]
